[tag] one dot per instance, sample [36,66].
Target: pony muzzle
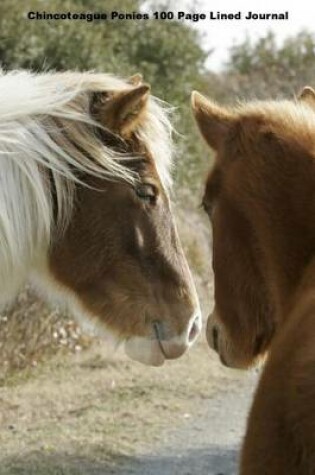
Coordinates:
[214,339]
[218,341]
[154,351]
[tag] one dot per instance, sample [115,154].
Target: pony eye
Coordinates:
[147,192]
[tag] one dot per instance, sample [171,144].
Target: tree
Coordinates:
[265,69]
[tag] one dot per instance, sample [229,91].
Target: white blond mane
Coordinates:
[45,124]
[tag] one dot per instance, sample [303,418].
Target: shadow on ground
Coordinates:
[215,461]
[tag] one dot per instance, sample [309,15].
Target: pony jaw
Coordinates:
[151,349]
[231,356]
[144,351]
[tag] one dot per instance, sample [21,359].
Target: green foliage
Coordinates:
[168,54]
[265,69]
[295,55]
[62,44]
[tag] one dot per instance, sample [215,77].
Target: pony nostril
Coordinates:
[215,338]
[194,330]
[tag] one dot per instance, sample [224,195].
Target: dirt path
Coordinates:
[94,415]
[207,445]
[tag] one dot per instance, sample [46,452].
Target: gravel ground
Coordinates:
[88,415]
[208,445]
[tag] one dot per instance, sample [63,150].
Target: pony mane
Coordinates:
[291,121]
[45,125]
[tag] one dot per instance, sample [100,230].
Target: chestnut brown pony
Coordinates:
[260,198]
[85,209]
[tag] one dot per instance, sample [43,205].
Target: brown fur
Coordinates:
[260,198]
[121,111]
[120,254]
[123,282]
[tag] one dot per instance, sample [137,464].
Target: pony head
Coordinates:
[100,235]
[259,197]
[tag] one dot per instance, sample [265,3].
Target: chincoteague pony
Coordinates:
[260,198]
[85,210]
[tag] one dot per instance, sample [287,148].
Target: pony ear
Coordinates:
[307,95]
[121,111]
[213,120]
[135,80]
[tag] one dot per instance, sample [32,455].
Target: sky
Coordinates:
[220,35]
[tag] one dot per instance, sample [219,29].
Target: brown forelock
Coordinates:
[101,258]
[263,193]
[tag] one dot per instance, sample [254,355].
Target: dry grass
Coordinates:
[84,413]
[196,238]
[30,332]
